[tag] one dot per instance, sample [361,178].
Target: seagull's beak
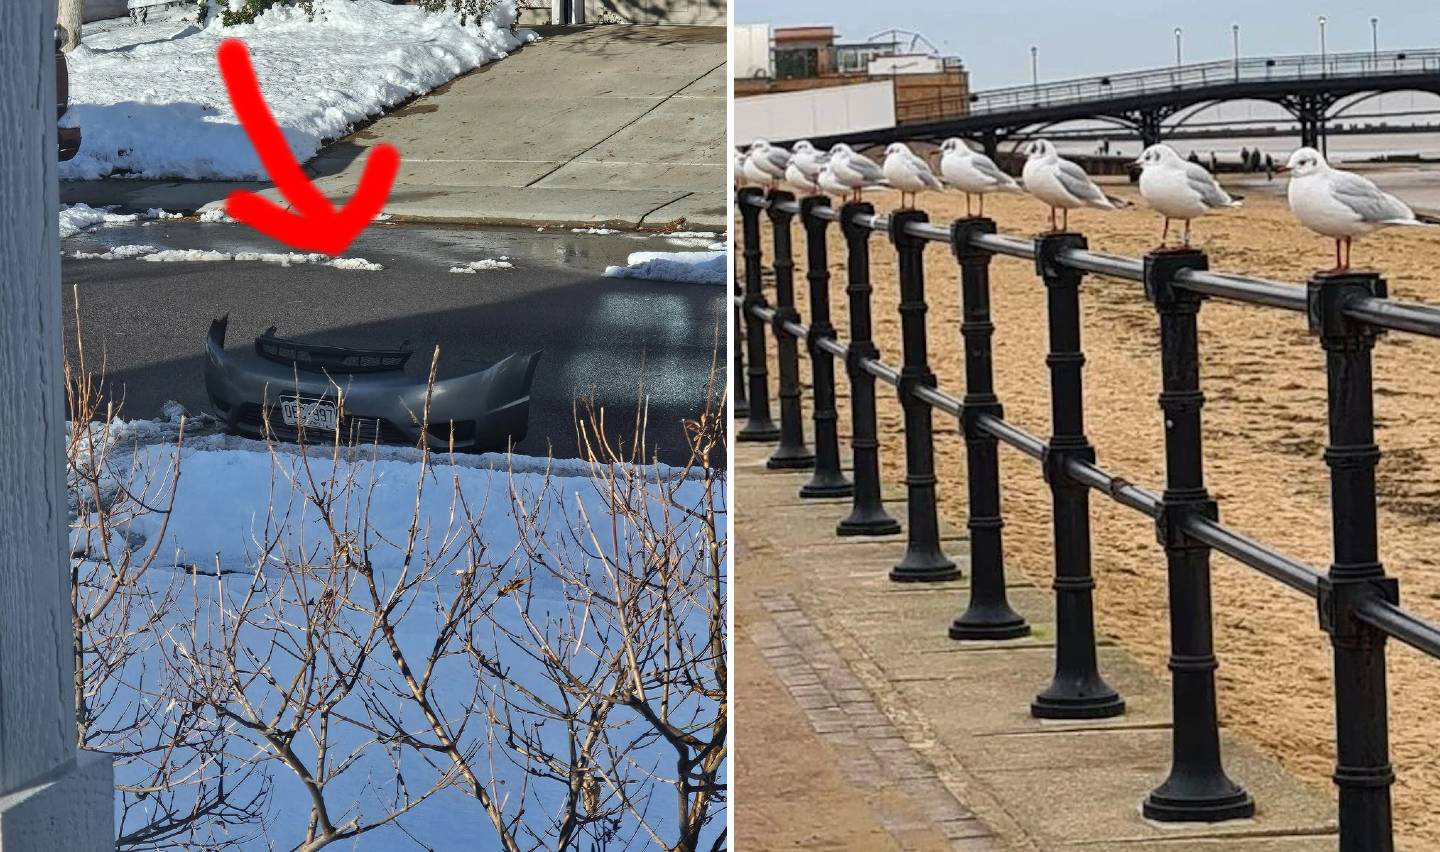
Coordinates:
[1135,162]
[1282,169]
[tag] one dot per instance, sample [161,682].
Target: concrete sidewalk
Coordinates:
[955,714]
[602,125]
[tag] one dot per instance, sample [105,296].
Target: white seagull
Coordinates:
[972,173]
[804,167]
[1060,183]
[830,184]
[856,171]
[908,173]
[766,163]
[1178,189]
[1339,204]
[740,179]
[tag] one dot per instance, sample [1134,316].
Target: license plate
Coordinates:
[308,413]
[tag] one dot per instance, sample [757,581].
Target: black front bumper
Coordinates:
[484,411]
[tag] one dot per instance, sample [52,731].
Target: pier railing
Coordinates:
[1246,70]
[1357,603]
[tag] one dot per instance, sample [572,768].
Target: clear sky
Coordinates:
[1077,39]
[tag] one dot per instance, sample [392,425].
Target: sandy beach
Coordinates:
[1264,380]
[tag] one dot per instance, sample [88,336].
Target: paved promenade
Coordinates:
[861,725]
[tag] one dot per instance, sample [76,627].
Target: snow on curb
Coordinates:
[154,254]
[688,267]
[155,107]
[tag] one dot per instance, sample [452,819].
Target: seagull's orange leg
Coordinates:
[1165,232]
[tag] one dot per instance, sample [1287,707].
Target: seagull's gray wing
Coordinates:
[986,166]
[1079,184]
[866,167]
[1370,202]
[778,156]
[1203,184]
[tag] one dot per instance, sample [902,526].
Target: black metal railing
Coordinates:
[1358,604]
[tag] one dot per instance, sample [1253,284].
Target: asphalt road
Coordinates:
[603,338]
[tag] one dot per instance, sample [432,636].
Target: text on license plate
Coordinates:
[309,413]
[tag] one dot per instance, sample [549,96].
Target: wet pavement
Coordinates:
[607,338]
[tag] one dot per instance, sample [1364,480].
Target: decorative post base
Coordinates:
[791,458]
[828,484]
[1082,700]
[989,622]
[924,566]
[1173,802]
[868,520]
[752,432]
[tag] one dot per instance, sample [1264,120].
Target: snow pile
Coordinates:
[82,217]
[154,254]
[217,214]
[690,267]
[77,218]
[116,253]
[155,106]
[594,231]
[242,523]
[474,266]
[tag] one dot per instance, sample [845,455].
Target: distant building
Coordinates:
[924,85]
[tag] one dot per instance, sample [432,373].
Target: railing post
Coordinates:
[988,615]
[867,513]
[1077,691]
[827,481]
[791,452]
[1362,766]
[923,560]
[758,425]
[741,403]
[1197,788]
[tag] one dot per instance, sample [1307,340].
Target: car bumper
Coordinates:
[484,411]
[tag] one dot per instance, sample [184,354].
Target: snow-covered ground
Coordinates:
[151,104]
[243,511]
[692,267]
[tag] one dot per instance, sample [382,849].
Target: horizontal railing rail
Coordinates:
[1358,603]
[1264,69]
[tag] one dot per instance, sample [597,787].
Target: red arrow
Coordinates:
[316,225]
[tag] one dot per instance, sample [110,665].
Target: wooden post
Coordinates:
[51,798]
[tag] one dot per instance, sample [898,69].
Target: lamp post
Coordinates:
[1177,47]
[1322,45]
[1035,70]
[1374,40]
[1235,41]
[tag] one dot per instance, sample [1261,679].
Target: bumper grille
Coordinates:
[353,430]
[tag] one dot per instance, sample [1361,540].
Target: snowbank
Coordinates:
[691,267]
[241,509]
[151,102]
[155,254]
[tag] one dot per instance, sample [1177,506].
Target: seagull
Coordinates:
[1178,189]
[972,173]
[768,160]
[750,167]
[908,173]
[830,184]
[1060,183]
[804,167]
[856,171]
[740,179]
[1339,204]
